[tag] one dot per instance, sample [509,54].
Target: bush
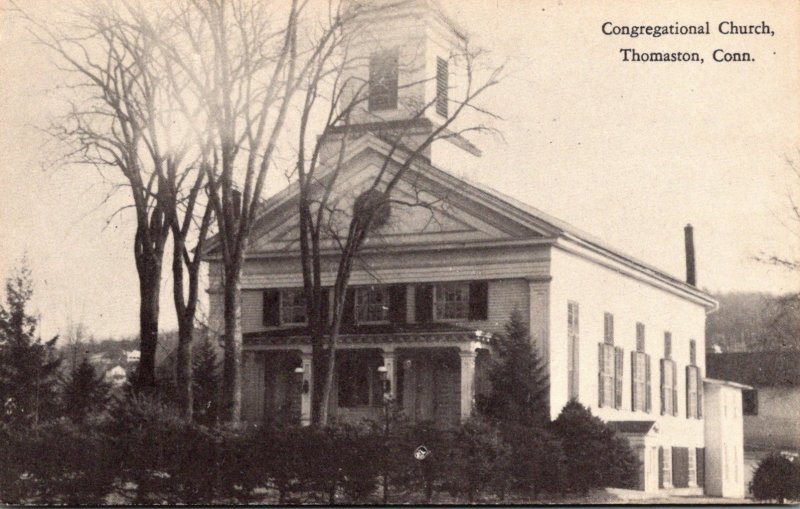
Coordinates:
[595,456]
[537,464]
[430,474]
[56,463]
[476,457]
[776,478]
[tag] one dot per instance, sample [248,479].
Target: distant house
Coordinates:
[132,356]
[116,376]
[772,408]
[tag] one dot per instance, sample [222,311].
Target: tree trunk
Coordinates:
[232,364]
[149,293]
[183,367]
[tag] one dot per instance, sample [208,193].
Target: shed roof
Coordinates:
[755,368]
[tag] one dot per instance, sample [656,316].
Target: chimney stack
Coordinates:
[691,275]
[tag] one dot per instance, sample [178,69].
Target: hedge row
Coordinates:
[145,454]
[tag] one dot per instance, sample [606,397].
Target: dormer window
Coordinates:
[383,70]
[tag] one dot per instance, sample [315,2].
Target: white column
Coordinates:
[467,383]
[389,361]
[305,397]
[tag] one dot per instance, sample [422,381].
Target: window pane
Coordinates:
[293,307]
[451,301]
[372,304]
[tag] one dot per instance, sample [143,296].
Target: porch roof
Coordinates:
[429,333]
[632,427]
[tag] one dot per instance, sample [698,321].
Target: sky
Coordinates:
[629,152]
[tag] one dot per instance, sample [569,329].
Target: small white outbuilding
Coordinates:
[724,439]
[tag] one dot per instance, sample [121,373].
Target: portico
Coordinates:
[431,376]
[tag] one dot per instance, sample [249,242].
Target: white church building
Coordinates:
[618,335]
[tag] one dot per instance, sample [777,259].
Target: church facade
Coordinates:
[434,284]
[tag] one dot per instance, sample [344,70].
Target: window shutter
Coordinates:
[478,300]
[688,408]
[619,359]
[325,302]
[633,382]
[441,86]
[397,303]
[701,466]
[699,394]
[663,397]
[647,398]
[423,303]
[674,388]
[272,308]
[349,312]
[600,378]
[661,466]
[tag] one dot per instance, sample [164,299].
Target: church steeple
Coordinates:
[407,55]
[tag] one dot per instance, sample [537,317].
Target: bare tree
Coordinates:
[113,101]
[321,162]
[243,70]
[782,330]
[126,118]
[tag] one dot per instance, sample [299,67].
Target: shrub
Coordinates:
[776,478]
[428,475]
[518,378]
[56,463]
[537,463]
[594,455]
[476,456]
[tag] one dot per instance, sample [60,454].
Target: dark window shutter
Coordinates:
[600,378]
[701,466]
[699,393]
[619,360]
[479,300]
[423,303]
[688,376]
[647,397]
[633,382]
[660,467]
[272,308]
[348,314]
[674,388]
[397,304]
[663,400]
[325,302]
[680,467]
[441,86]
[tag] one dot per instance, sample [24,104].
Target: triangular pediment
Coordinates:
[422,211]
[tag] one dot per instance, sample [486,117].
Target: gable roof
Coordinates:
[525,215]
[756,368]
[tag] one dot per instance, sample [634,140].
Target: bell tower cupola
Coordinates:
[408,76]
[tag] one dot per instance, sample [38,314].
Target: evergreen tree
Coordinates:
[28,366]
[595,456]
[518,377]
[205,383]
[85,393]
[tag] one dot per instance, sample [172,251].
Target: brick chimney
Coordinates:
[691,274]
